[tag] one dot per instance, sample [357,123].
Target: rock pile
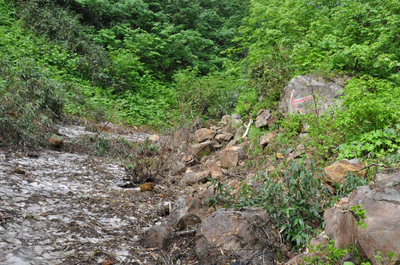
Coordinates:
[248,232]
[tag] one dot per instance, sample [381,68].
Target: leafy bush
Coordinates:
[31,98]
[392,159]
[369,104]
[352,181]
[292,126]
[323,135]
[377,143]
[246,102]
[352,36]
[331,254]
[102,145]
[347,35]
[212,96]
[296,205]
[35,83]
[255,135]
[62,27]
[155,104]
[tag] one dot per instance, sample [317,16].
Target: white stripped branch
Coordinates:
[248,128]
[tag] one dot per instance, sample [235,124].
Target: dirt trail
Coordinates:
[68,209]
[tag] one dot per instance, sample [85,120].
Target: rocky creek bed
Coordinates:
[67,208]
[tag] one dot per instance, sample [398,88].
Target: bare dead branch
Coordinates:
[371,165]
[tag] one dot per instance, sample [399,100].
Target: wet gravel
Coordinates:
[64,208]
[75,132]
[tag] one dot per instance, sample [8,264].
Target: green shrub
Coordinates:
[31,98]
[323,135]
[369,104]
[291,125]
[352,36]
[348,35]
[331,254]
[63,27]
[374,144]
[352,181]
[102,145]
[255,135]
[212,96]
[246,102]
[392,159]
[296,205]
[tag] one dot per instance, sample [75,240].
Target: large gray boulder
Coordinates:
[381,201]
[308,93]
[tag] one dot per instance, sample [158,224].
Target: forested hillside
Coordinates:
[148,62]
[120,60]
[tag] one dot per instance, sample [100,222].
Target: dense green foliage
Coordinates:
[354,38]
[333,255]
[347,35]
[123,56]
[212,95]
[296,205]
[139,59]
[30,97]
[157,37]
